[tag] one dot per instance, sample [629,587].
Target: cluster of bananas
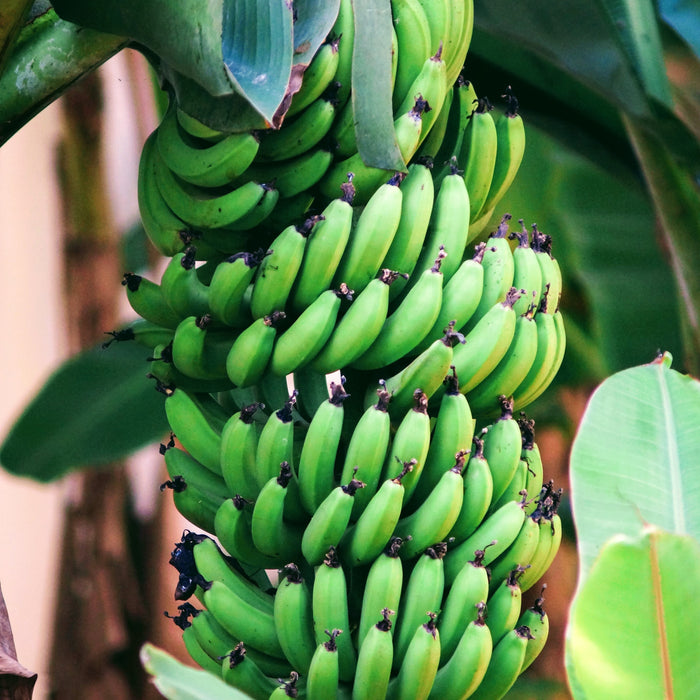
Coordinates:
[404,522]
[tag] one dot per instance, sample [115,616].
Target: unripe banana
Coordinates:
[459,38]
[194,504]
[147,300]
[551,274]
[198,655]
[324,249]
[382,587]
[307,335]
[374,660]
[317,77]
[476,499]
[323,677]
[276,442]
[367,450]
[186,294]
[419,665]
[318,453]
[527,275]
[452,433]
[409,323]
[502,447]
[277,272]
[462,673]
[330,611]
[240,671]
[463,602]
[518,555]
[293,615]
[530,453]
[371,236]
[537,621]
[423,592]
[239,443]
[197,351]
[359,326]
[411,443]
[503,608]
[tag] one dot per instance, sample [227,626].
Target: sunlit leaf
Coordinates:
[635,624]
[177,681]
[634,458]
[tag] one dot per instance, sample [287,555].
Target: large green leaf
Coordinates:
[96,408]
[67,52]
[176,681]
[635,457]
[634,626]
[257,44]
[371,85]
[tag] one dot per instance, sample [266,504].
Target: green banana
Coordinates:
[193,420]
[532,391]
[423,592]
[329,522]
[198,655]
[527,274]
[515,489]
[324,250]
[413,37]
[411,443]
[144,332]
[459,37]
[179,463]
[167,375]
[476,499]
[432,143]
[430,85]
[420,664]
[416,206]
[212,565]
[277,272]
[147,300]
[318,453]
[215,165]
[426,371]
[439,15]
[537,621]
[198,352]
[232,526]
[317,77]
[330,611]
[371,236]
[343,32]
[293,616]
[486,343]
[530,453]
[510,371]
[510,132]
[228,286]
[322,678]
[239,444]
[367,450]
[549,267]
[293,176]
[452,434]
[186,294]
[462,673]
[548,545]
[505,665]
[201,207]
[518,555]
[359,326]
[367,179]
[364,541]
[382,587]
[460,297]
[503,607]
[477,156]
[502,447]
[242,672]
[374,661]
[409,323]
[494,535]
[307,335]
[251,352]
[499,270]
[448,228]
[314,389]
[272,533]
[301,134]
[196,128]
[463,602]
[241,619]
[436,515]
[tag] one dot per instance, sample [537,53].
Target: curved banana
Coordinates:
[199,352]
[518,556]
[182,288]
[317,76]
[322,678]
[374,660]
[537,621]
[527,275]
[239,443]
[549,267]
[146,298]
[503,608]
[241,671]
[276,442]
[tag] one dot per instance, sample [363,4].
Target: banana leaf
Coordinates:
[176,681]
[634,626]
